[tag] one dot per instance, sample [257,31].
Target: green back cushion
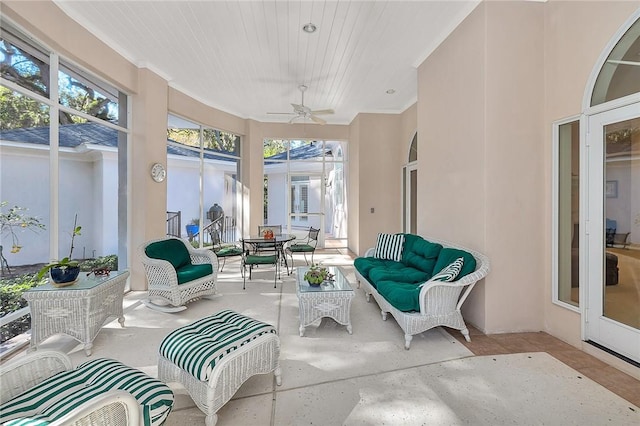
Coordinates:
[171,250]
[189,273]
[449,255]
[423,256]
[402,295]
[61,393]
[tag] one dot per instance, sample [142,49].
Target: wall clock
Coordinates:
[158,172]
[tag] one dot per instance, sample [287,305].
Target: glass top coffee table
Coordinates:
[331,299]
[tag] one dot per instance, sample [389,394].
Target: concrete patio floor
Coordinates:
[330,377]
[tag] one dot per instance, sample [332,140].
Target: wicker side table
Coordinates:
[332,299]
[79,310]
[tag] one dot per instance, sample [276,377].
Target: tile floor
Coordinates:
[611,378]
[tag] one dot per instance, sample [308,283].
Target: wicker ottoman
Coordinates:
[214,356]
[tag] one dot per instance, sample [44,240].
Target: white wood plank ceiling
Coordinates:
[249,57]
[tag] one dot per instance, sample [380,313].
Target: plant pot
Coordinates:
[192,230]
[64,274]
[314,284]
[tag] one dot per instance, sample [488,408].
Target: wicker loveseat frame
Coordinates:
[440,302]
[165,293]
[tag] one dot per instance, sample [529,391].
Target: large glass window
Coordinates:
[305,186]
[567,220]
[63,160]
[203,189]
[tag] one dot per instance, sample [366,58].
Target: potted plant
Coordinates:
[64,271]
[317,274]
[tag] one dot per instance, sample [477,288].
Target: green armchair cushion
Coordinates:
[171,250]
[54,397]
[190,272]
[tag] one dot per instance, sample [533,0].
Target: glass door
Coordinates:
[612,317]
[410,195]
[307,204]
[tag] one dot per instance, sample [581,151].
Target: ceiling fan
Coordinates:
[301,111]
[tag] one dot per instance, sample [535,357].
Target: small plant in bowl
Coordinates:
[64,271]
[317,274]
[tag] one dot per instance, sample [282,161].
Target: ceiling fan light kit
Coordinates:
[301,111]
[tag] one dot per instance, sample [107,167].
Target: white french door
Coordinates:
[410,195]
[307,203]
[612,199]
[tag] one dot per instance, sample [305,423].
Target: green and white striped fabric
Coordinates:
[57,396]
[197,347]
[449,272]
[389,247]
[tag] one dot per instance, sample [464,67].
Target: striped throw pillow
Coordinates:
[60,394]
[197,347]
[389,247]
[449,272]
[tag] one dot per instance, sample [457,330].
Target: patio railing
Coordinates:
[174,224]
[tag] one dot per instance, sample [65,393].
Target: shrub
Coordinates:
[11,300]
[109,262]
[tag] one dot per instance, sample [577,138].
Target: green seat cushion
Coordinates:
[171,250]
[403,296]
[254,259]
[365,264]
[197,347]
[301,248]
[228,251]
[423,256]
[56,396]
[189,273]
[449,255]
[404,274]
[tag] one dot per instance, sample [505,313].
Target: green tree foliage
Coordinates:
[28,71]
[213,139]
[17,111]
[272,147]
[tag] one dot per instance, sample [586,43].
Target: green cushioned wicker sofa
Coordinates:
[421,282]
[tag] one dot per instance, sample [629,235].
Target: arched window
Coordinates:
[413,149]
[620,73]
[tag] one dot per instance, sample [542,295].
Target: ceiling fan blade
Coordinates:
[297,117]
[317,119]
[297,107]
[322,111]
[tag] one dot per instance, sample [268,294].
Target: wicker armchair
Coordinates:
[43,385]
[177,273]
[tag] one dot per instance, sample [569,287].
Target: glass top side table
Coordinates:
[78,310]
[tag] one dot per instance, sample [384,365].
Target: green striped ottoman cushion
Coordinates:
[60,394]
[197,347]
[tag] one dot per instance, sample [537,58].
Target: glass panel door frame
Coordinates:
[409,194]
[313,217]
[607,332]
